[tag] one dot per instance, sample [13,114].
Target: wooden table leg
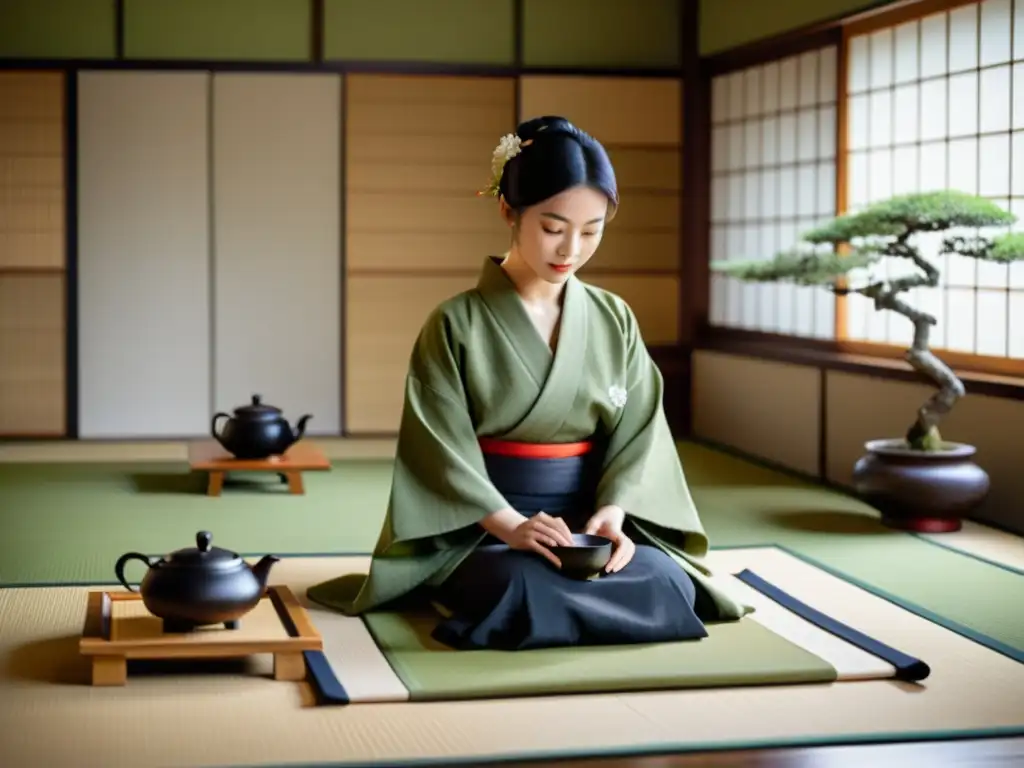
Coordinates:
[215,483]
[289,666]
[109,670]
[295,485]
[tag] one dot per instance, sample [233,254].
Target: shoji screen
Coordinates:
[31,253]
[276,250]
[938,103]
[773,177]
[144,287]
[417,149]
[638,121]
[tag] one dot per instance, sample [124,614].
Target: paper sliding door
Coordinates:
[277,241]
[144,259]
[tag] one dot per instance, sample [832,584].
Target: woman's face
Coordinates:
[558,236]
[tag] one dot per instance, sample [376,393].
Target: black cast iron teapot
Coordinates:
[257,431]
[199,586]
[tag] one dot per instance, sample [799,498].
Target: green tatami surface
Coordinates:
[69,523]
[734,653]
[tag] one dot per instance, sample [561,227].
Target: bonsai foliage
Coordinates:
[886,230]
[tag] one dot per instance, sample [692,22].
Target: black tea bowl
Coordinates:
[585,559]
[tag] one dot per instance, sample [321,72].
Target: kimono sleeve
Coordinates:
[642,473]
[440,484]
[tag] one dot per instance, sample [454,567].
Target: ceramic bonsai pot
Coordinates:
[920,491]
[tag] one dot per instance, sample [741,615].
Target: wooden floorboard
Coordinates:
[986,753]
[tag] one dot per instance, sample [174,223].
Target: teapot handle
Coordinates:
[123,560]
[213,423]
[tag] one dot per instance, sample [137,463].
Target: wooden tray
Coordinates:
[118,628]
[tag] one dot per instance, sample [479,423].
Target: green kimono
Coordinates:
[480,368]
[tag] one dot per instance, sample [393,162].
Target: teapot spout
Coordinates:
[300,427]
[262,570]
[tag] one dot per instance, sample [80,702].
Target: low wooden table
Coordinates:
[208,456]
[118,628]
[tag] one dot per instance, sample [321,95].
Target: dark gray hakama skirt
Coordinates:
[504,599]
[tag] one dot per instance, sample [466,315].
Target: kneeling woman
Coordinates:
[533,410]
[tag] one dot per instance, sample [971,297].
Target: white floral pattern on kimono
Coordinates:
[617,395]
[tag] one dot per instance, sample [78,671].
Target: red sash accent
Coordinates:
[497,447]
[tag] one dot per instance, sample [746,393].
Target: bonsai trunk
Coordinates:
[924,434]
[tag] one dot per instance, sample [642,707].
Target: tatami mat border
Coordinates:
[907,667]
[972,555]
[669,748]
[953,626]
[329,689]
[974,635]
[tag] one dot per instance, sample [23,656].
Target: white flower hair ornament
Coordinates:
[508,147]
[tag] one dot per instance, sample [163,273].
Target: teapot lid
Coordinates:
[257,409]
[203,555]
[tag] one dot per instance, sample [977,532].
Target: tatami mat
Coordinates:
[75,451]
[975,538]
[48,716]
[395,659]
[987,543]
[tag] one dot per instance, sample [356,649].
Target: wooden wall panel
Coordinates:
[643,236]
[144,309]
[384,316]
[654,300]
[277,244]
[728,405]
[647,168]
[626,111]
[32,331]
[638,120]
[32,260]
[31,170]
[400,252]
[417,150]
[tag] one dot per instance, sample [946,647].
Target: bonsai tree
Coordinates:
[885,229]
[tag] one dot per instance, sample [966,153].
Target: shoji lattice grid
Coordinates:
[938,103]
[773,178]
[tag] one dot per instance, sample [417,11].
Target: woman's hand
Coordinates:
[607,522]
[539,532]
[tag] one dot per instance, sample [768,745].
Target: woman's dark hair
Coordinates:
[556,156]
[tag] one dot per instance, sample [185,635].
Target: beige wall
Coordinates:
[726,24]
[774,411]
